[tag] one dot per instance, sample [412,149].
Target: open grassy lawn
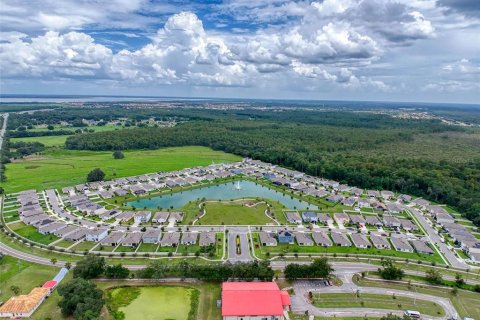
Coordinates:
[159,303]
[64,243]
[165,301]
[376,301]
[60,168]
[148,247]
[11,216]
[48,141]
[465,302]
[29,232]
[234,213]
[84,245]
[25,275]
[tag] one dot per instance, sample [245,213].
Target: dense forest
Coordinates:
[355,148]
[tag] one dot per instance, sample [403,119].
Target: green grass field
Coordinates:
[29,232]
[159,303]
[376,301]
[234,213]
[60,168]
[48,141]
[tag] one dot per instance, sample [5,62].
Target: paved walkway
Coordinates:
[244,255]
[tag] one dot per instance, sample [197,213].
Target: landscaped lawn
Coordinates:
[234,213]
[159,303]
[376,301]
[29,232]
[60,168]
[84,245]
[147,247]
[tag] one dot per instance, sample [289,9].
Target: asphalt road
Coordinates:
[4,128]
[300,302]
[244,255]
[435,239]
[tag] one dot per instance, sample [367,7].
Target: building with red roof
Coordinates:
[253,301]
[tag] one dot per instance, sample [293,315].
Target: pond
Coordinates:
[224,191]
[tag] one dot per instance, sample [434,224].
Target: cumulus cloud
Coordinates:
[465,7]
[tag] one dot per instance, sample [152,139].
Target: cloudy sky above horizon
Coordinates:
[399,50]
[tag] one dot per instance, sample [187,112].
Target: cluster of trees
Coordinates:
[361,156]
[22,149]
[92,267]
[95,175]
[319,268]
[211,272]
[390,271]
[25,134]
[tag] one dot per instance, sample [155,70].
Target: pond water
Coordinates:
[224,191]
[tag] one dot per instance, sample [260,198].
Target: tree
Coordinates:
[80,298]
[434,276]
[68,265]
[391,316]
[2,191]
[116,272]
[390,271]
[459,280]
[50,127]
[118,154]
[15,289]
[90,267]
[95,175]
[319,268]
[53,261]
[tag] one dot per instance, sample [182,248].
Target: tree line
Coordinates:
[356,156]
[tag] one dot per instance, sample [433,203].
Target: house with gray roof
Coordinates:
[349,202]
[51,228]
[321,239]
[408,225]
[142,216]
[379,242]
[387,195]
[373,194]
[285,236]
[170,239]
[357,219]
[309,217]
[64,231]
[113,239]
[160,217]
[151,235]
[341,239]
[303,239]
[443,218]
[207,239]
[421,246]
[293,217]
[360,240]
[373,221]
[324,218]
[335,198]
[391,221]
[96,234]
[267,239]
[189,238]
[132,239]
[401,244]
[341,218]
[176,216]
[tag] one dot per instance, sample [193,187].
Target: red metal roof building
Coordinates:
[253,300]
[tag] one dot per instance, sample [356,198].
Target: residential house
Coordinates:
[132,239]
[267,239]
[113,239]
[324,218]
[176,217]
[349,202]
[321,239]
[387,195]
[421,246]
[391,221]
[340,239]
[341,218]
[170,239]
[360,240]
[96,234]
[293,217]
[285,236]
[189,238]
[142,216]
[373,221]
[77,235]
[309,217]
[401,244]
[207,239]
[357,219]
[335,198]
[160,217]
[379,242]
[303,239]
[151,235]
[408,225]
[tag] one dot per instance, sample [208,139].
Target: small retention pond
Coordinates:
[224,191]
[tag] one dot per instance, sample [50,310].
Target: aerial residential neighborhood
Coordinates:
[240,160]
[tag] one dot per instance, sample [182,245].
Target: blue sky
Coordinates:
[415,50]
